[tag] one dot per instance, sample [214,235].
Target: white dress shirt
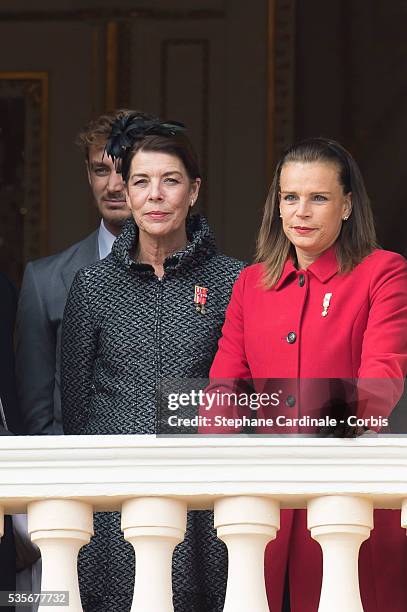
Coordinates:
[105,240]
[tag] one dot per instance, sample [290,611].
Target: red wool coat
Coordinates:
[281,333]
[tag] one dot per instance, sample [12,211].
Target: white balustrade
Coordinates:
[60,527]
[340,524]
[63,480]
[404,514]
[154,526]
[246,524]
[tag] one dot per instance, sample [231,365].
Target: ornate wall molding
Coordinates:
[24,189]
[124,66]
[112,61]
[271,33]
[281,74]
[104,15]
[204,47]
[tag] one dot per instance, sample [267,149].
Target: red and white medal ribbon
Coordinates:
[200,297]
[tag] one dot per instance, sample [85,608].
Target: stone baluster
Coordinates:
[60,528]
[340,524]
[246,524]
[154,526]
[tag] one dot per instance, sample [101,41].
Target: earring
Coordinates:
[346,218]
[192,203]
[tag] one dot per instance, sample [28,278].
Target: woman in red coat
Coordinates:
[323,302]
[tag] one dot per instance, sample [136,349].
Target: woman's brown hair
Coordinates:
[135,131]
[177,144]
[357,237]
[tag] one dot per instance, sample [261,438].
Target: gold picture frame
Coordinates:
[23,169]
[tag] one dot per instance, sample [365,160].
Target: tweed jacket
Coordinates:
[124,330]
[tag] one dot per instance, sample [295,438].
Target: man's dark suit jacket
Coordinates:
[8,394]
[8,303]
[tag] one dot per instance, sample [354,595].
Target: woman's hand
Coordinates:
[344,430]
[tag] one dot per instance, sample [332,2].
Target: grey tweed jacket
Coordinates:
[124,330]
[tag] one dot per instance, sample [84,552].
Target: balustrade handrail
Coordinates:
[107,470]
[61,480]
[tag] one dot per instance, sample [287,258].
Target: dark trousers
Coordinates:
[286,599]
[7,561]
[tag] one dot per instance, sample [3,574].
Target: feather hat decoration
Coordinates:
[128,129]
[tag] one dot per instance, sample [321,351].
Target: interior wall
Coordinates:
[72,92]
[205,72]
[351,84]
[339,71]
[68,52]
[205,65]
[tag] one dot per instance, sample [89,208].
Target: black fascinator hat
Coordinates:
[127,130]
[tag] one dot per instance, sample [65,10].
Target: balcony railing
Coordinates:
[59,481]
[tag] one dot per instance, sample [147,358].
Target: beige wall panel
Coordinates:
[208,69]
[185,89]
[245,138]
[211,73]
[177,71]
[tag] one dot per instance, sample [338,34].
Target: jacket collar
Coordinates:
[324,268]
[201,244]
[86,253]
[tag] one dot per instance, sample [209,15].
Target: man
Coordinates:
[47,281]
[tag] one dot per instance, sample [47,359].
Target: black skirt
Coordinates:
[107,567]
